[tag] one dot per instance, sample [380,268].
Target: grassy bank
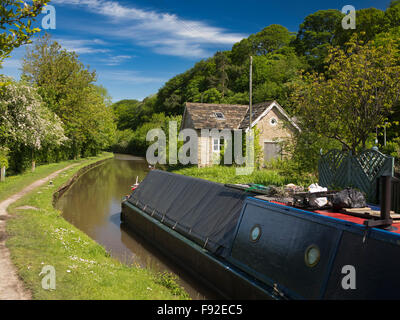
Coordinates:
[84,270]
[224,174]
[13,184]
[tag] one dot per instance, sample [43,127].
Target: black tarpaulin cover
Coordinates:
[203,211]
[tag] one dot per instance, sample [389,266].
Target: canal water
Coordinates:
[93,204]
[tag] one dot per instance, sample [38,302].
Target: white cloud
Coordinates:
[165,33]
[132,77]
[179,48]
[12,63]
[83,46]
[95,46]
[115,60]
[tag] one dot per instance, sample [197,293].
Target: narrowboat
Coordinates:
[245,247]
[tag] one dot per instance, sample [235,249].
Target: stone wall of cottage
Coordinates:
[270,132]
[204,146]
[187,122]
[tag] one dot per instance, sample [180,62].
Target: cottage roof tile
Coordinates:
[203,115]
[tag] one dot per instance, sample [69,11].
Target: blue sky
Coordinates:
[136,46]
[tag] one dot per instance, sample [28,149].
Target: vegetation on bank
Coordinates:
[16,183]
[55,112]
[277,174]
[84,270]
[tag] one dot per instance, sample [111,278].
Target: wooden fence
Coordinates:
[338,169]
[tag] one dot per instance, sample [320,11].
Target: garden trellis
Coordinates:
[340,169]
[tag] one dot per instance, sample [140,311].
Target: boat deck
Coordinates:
[347,218]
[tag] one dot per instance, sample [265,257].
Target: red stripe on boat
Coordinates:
[345,217]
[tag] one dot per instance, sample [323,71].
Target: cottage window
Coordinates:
[219,116]
[273,122]
[217,144]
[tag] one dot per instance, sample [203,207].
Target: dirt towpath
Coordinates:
[11,286]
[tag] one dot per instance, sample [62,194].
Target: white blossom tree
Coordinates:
[25,121]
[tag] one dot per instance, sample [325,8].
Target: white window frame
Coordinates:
[214,145]
[220,143]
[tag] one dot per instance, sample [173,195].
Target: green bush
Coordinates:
[392,148]
[134,141]
[169,281]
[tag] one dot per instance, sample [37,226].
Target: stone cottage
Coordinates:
[269,117]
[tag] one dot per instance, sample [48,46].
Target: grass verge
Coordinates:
[225,174]
[84,270]
[13,184]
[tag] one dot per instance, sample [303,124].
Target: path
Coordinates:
[11,286]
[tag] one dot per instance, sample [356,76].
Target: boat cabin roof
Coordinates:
[395,229]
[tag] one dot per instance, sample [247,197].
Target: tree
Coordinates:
[392,14]
[57,73]
[174,103]
[127,113]
[212,96]
[25,123]
[392,35]
[221,78]
[356,94]
[392,127]
[169,97]
[68,89]
[316,35]
[271,74]
[147,107]
[99,128]
[237,98]
[242,50]
[370,22]
[270,39]
[16,19]
[194,87]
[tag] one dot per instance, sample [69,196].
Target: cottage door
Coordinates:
[272,150]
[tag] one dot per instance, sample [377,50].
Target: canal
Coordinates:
[93,204]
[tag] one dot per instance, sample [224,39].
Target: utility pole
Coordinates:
[384,143]
[251,153]
[251,92]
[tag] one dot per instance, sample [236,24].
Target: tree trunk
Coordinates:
[33,161]
[2,174]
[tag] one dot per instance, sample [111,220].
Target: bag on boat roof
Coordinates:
[349,198]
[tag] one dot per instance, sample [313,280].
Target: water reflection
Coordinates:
[93,204]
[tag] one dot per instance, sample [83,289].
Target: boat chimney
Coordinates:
[385,220]
[386,201]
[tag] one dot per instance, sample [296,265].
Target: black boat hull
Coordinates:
[217,274]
